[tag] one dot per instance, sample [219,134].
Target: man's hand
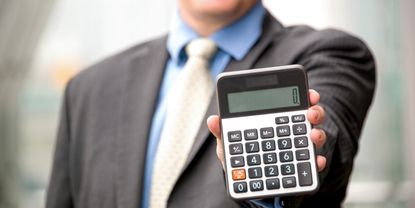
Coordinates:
[315,115]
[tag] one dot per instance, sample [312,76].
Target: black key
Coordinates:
[286,156]
[282,120]
[288,182]
[257,185]
[284,143]
[298,118]
[304,174]
[273,183]
[267,132]
[240,187]
[300,142]
[302,154]
[235,149]
[270,158]
[283,131]
[237,161]
[252,147]
[234,136]
[299,129]
[253,159]
[251,134]
[287,169]
[271,170]
[268,145]
[255,172]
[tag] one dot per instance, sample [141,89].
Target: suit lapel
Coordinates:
[270,28]
[145,67]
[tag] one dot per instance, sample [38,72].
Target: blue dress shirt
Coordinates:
[230,43]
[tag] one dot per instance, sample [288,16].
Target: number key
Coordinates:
[271,171]
[268,145]
[252,147]
[287,169]
[284,143]
[257,185]
[253,159]
[255,172]
[270,158]
[286,156]
[240,187]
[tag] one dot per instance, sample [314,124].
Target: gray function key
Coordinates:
[283,131]
[302,154]
[273,183]
[288,182]
[300,142]
[267,132]
[235,149]
[237,161]
[299,129]
[234,136]
[281,120]
[251,134]
[298,118]
[304,174]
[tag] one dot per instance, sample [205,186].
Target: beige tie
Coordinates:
[188,100]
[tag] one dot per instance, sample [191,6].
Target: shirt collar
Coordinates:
[235,39]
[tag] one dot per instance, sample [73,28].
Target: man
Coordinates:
[115,112]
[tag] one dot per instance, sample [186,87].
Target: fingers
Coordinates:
[314,97]
[315,114]
[214,127]
[318,136]
[321,162]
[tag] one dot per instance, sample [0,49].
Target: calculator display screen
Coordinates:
[263,99]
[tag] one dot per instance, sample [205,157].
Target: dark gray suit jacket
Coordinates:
[107,111]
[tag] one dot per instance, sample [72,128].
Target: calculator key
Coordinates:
[271,170]
[237,161]
[286,156]
[287,169]
[299,129]
[240,187]
[273,183]
[235,149]
[257,185]
[252,147]
[283,131]
[302,154]
[300,142]
[253,159]
[298,118]
[270,158]
[268,145]
[288,182]
[255,172]
[267,132]
[284,143]
[281,120]
[238,174]
[234,136]
[304,174]
[251,134]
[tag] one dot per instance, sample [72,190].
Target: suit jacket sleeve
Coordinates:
[59,194]
[341,68]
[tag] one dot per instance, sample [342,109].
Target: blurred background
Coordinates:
[43,43]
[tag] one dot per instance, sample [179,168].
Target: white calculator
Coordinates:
[266,134]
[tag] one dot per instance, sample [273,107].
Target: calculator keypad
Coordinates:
[271,159]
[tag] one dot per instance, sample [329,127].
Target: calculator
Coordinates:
[266,135]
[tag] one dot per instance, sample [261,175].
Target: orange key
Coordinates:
[238,174]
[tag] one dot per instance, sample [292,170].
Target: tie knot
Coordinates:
[201,47]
